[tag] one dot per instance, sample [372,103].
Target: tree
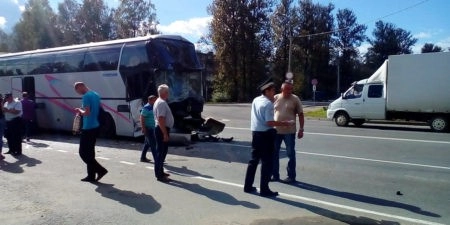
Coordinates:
[428,47]
[67,22]
[313,41]
[135,18]
[388,40]
[4,42]
[240,32]
[36,29]
[348,37]
[283,21]
[95,21]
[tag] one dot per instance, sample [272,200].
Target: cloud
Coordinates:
[193,28]
[2,22]
[424,35]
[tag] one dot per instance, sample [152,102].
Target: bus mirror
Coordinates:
[123,108]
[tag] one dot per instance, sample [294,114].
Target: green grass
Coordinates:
[318,113]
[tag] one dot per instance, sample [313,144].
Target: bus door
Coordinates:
[23,84]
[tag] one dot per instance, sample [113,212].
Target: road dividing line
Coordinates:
[364,137]
[128,163]
[321,202]
[375,160]
[382,138]
[356,158]
[62,151]
[99,157]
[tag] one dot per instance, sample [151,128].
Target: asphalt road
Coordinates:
[377,174]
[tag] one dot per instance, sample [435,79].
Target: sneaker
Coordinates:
[145,160]
[274,179]
[268,193]
[250,190]
[288,180]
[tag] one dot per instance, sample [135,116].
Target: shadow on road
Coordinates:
[143,203]
[348,219]
[16,167]
[215,195]
[364,198]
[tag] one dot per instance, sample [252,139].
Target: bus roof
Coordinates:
[93,44]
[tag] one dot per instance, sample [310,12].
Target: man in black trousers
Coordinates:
[263,139]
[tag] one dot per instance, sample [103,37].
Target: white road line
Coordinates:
[356,158]
[364,137]
[382,138]
[128,163]
[99,157]
[62,151]
[376,160]
[330,204]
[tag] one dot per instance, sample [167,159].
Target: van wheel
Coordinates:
[341,119]
[439,124]
[107,127]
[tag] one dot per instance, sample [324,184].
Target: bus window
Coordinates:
[69,61]
[17,65]
[41,63]
[102,58]
[2,68]
[136,71]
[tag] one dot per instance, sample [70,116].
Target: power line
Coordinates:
[345,28]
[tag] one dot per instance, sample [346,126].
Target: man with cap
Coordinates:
[13,116]
[263,139]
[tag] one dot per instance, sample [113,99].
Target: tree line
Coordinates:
[252,40]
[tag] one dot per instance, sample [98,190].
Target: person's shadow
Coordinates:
[364,198]
[143,203]
[16,167]
[348,219]
[215,195]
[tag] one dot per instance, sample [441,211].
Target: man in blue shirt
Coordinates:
[263,139]
[148,128]
[89,111]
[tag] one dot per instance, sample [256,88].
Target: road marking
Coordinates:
[128,163]
[382,138]
[356,158]
[376,160]
[99,157]
[364,137]
[321,202]
[62,151]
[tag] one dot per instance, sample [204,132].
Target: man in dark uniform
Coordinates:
[263,139]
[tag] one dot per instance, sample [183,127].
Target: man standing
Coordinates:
[29,114]
[148,128]
[263,139]
[89,111]
[2,126]
[13,116]
[287,107]
[164,122]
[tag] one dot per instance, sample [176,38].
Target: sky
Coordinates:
[426,20]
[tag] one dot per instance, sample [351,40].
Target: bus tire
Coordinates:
[107,127]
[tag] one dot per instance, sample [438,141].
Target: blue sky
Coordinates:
[427,20]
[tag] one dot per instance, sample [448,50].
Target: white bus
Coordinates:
[124,72]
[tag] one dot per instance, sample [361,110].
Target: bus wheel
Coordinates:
[107,127]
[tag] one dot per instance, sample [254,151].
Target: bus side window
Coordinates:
[41,64]
[105,58]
